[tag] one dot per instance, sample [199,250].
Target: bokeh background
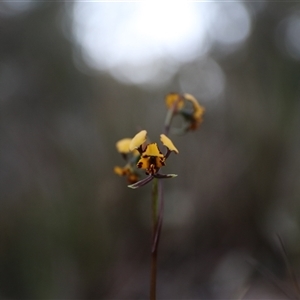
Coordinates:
[77,77]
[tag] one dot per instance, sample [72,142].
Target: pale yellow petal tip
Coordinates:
[194,101]
[139,139]
[133,186]
[190,98]
[172,175]
[168,143]
[123,145]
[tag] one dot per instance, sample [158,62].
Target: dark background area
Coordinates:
[71,229]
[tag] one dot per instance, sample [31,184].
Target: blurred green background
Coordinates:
[70,228]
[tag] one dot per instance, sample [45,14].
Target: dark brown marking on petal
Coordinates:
[140,149]
[152,168]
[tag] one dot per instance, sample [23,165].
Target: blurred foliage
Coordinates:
[70,228]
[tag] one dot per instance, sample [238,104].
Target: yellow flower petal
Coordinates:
[173,98]
[132,177]
[151,163]
[160,162]
[197,107]
[120,171]
[168,143]
[138,140]
[191,98]
[198,111]
[143,163]
[152,159]
[123,145]
[152,150]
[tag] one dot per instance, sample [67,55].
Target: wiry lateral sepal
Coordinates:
[141,182]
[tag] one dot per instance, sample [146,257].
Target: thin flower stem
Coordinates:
[289,267]
[157,213]
[168,120]
[159,217]
[154,230]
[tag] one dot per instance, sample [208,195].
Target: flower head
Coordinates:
[151,158]
[187,106]
[131,157]
[132,177]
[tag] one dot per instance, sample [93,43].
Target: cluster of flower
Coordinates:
[147,156]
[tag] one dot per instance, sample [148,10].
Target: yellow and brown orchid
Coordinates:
[187,106]
[151,158]
[129,170]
